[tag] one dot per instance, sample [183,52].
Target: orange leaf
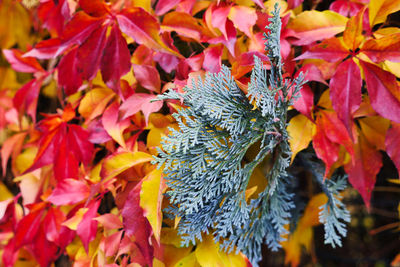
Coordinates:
[300,130]
[352,35]
[385,48]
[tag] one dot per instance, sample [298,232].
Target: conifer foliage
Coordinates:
[203,160]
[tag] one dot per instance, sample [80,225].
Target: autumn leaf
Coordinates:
[116,59]
[300,130]
[392,144]
[380,9]
[120,162]
[69,191]
[136,225]
[151,196]
[143,28]
[364,167]
[345,91]
[310,26]
[383,90]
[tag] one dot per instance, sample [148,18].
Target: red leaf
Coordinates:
[54,14]
[20,63]
[334,129]
[95,8]
[78,142]
[143,28]
[137,225]
[111,243]
[383,90]
[392,144]
[45,49]
[331,50]
[87,228]
[68,76]
[44,251]
[25,100]
[148,77]
[140,102]
[65,162]
[78,29]
[116,59]
[364,167]
[345,7]
[345,91]
[385,48]
[69,191]
[27,228]
[325,149]
[91,51]
[294,3]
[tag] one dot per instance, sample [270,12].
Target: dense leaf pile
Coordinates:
[79,129]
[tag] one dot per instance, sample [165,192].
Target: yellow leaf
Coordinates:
[25,159]
[313,25]
[4,192]
[120,162]
[393,67]
[72,223]
[151,195]
[374,129]
[380,9]
[188,261]
[209,255]
[270,6]
[172,254]
[300,130]
[94,102]
[15,24]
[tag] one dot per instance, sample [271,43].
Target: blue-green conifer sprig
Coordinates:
[204,160]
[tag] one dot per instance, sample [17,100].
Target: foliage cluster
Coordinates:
[79,129]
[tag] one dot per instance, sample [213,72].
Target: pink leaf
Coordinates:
[148,77]
[20,63]
[87,228]
[212,59]
[140,102]
[163,6]
[69,191]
